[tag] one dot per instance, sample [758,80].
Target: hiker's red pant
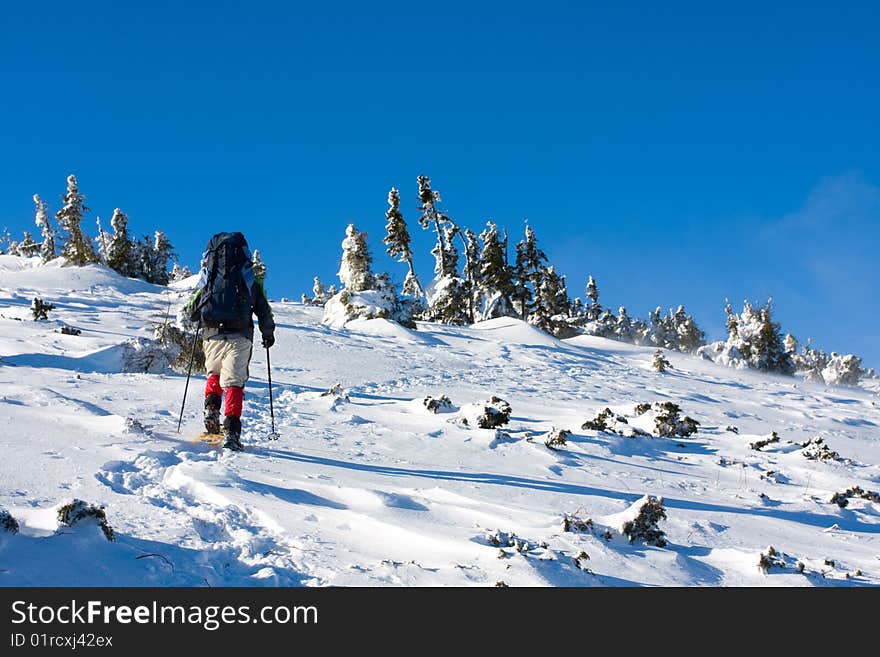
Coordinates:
[234,395]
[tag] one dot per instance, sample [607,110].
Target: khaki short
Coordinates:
[228,358]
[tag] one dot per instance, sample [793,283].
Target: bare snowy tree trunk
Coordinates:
[470,271]
[420,291]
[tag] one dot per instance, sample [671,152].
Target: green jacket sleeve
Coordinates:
[263,310]
[192,308]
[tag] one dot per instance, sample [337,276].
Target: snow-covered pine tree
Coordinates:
[259,266]
[102,241]
[364,295]
[768,351]
[623,329]
[843,370]
[40,309]
[676,330]
[151,258]
[319,292]
[445,254]
[77,249]
[811,363]
[398,242]
[179,273]
[163,253]
[432,217]
[660,364]
[754,340]
[28,248]
[655,332]
[355,268]
[688,336]
[47,248]
[471,271]
[732,322]
[791,344]
[551,302]
[593,308]
[638,330]
[448,290]
[493,282]
[528,272]
[448,295]
[140,257]
[121,250]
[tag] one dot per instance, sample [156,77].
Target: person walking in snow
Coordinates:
[229,293]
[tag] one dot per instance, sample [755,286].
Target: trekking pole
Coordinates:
[192,357]
[274,434]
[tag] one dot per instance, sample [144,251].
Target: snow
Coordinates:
[366,487]
[345,306]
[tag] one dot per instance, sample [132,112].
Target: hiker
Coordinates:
[228,296]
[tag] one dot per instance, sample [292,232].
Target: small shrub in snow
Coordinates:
[773,476]
[338,396]
[438,404]
[731,429]
[842,499]
[660,364]
[504,437]
[668,422]
[501,584]
[69,330]
[815,449]
[644,526]
[496,413]
[40,310]
[642,408]
[133,425]
[581,559]
[177,345]
[510,545]
[7,522]
[334,391]
[605,421]
[759,444]
[556,437]
[143,355]
[771,558]
[574,523]
[498,538]
[78,511]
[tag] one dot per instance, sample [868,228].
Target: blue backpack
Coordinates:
[225,302]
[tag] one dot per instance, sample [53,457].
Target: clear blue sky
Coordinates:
[679,152]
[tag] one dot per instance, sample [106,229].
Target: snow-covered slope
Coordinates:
[367,487]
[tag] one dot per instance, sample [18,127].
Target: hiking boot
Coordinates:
[212,413]
[232,431]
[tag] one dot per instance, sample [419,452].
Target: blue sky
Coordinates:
[680,153]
